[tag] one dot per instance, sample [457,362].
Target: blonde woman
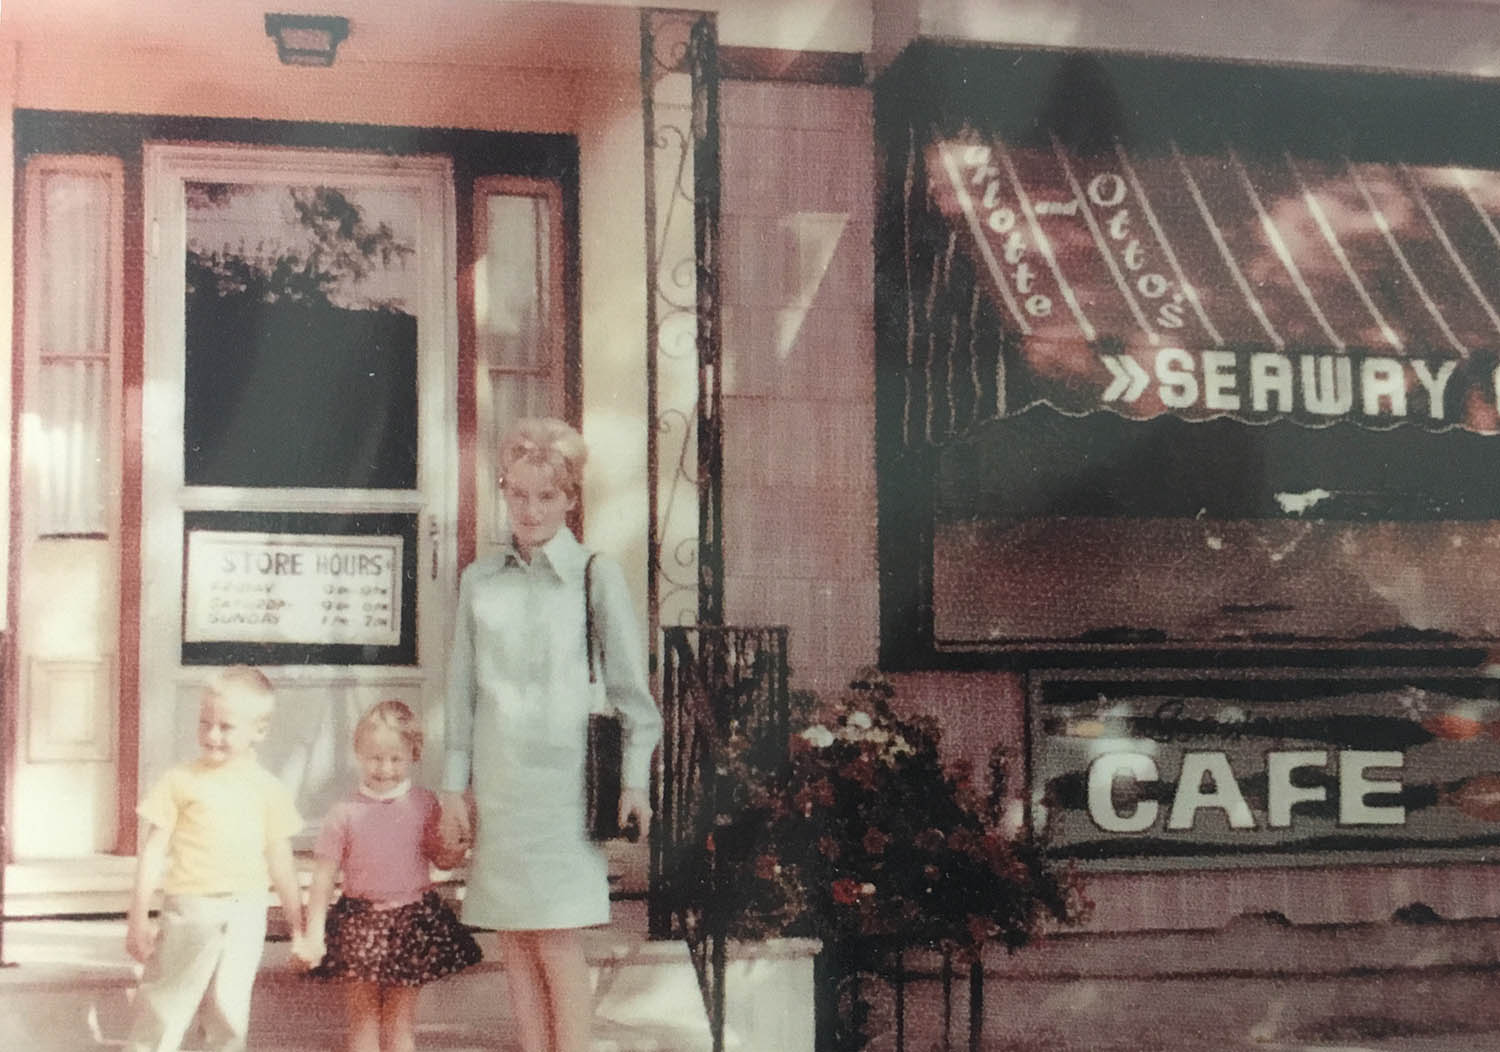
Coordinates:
[519,697]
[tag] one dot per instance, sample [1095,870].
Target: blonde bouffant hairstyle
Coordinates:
[546,442]
[392,715]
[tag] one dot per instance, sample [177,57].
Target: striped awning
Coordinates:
[1258,287]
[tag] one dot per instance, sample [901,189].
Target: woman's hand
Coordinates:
[454,824]
[635,812]
[450,834]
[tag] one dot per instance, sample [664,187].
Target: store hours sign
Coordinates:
[1173,769]
[292,588]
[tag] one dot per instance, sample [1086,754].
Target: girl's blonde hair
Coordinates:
[392,715]
[546,442]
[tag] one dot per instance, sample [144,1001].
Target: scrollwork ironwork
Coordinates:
[681,140]
[684,460]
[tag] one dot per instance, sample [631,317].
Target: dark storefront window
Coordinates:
[1185,355]
[1105,529]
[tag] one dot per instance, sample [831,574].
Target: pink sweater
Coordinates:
[378,845]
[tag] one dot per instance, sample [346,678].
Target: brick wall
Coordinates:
[799,396]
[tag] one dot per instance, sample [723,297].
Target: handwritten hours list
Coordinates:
[292,588]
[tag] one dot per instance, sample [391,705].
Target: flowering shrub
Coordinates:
[864,839]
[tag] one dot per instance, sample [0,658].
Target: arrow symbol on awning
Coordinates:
[1127,378]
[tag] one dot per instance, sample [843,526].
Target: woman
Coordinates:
[519,697]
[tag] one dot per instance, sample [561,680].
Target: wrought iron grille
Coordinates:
[718,682]
[684,454]
[885,985]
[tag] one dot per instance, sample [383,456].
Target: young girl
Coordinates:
[389,932]
[519,698]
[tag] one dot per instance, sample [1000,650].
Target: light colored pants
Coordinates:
[209,951]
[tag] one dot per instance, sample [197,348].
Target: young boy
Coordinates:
[215,832]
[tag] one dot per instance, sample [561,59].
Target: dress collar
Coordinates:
[394,793]
[562,554]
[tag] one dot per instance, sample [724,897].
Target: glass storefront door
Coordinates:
[299,443]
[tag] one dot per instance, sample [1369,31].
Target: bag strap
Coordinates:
[588,617]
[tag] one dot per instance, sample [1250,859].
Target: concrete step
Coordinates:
[69,986]
[53,887]
[68,983]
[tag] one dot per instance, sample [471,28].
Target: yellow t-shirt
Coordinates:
[222,821]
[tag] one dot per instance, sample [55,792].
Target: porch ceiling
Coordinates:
[500,33]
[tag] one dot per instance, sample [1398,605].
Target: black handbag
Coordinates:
[604,756]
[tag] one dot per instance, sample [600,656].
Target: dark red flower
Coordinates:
[766,866]
[822,792]
[860,771]
[930,839]
[875,842]
[829,847]
[963,840]
[845,891]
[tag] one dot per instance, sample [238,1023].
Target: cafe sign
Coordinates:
[1163,769]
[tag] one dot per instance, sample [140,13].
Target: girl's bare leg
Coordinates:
[569,993]
[528,997]
[362,1004]
[398,1018]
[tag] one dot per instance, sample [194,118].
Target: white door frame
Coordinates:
[166,685]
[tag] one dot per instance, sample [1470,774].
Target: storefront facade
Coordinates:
[890,500]
[1098,517]
[269,321]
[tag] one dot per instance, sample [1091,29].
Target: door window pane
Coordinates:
[517,321]
[301,337]
[73,329]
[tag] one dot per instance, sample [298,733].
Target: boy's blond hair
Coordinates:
[392,715]
[546,442]
[243,686]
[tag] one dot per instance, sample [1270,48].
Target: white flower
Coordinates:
[861,720]
[818,736]
[867,889]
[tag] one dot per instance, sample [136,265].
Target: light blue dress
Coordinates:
[516,719]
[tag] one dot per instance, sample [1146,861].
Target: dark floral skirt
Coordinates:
[402,946]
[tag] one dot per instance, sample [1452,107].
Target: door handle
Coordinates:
[433,542]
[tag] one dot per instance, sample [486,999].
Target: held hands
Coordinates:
[455,826]
[307,951]
[635,812]
[141,936]
[446,841]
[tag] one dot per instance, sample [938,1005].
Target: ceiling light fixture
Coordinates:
[307,40]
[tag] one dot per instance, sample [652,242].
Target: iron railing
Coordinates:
[886,983]
[719,683]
